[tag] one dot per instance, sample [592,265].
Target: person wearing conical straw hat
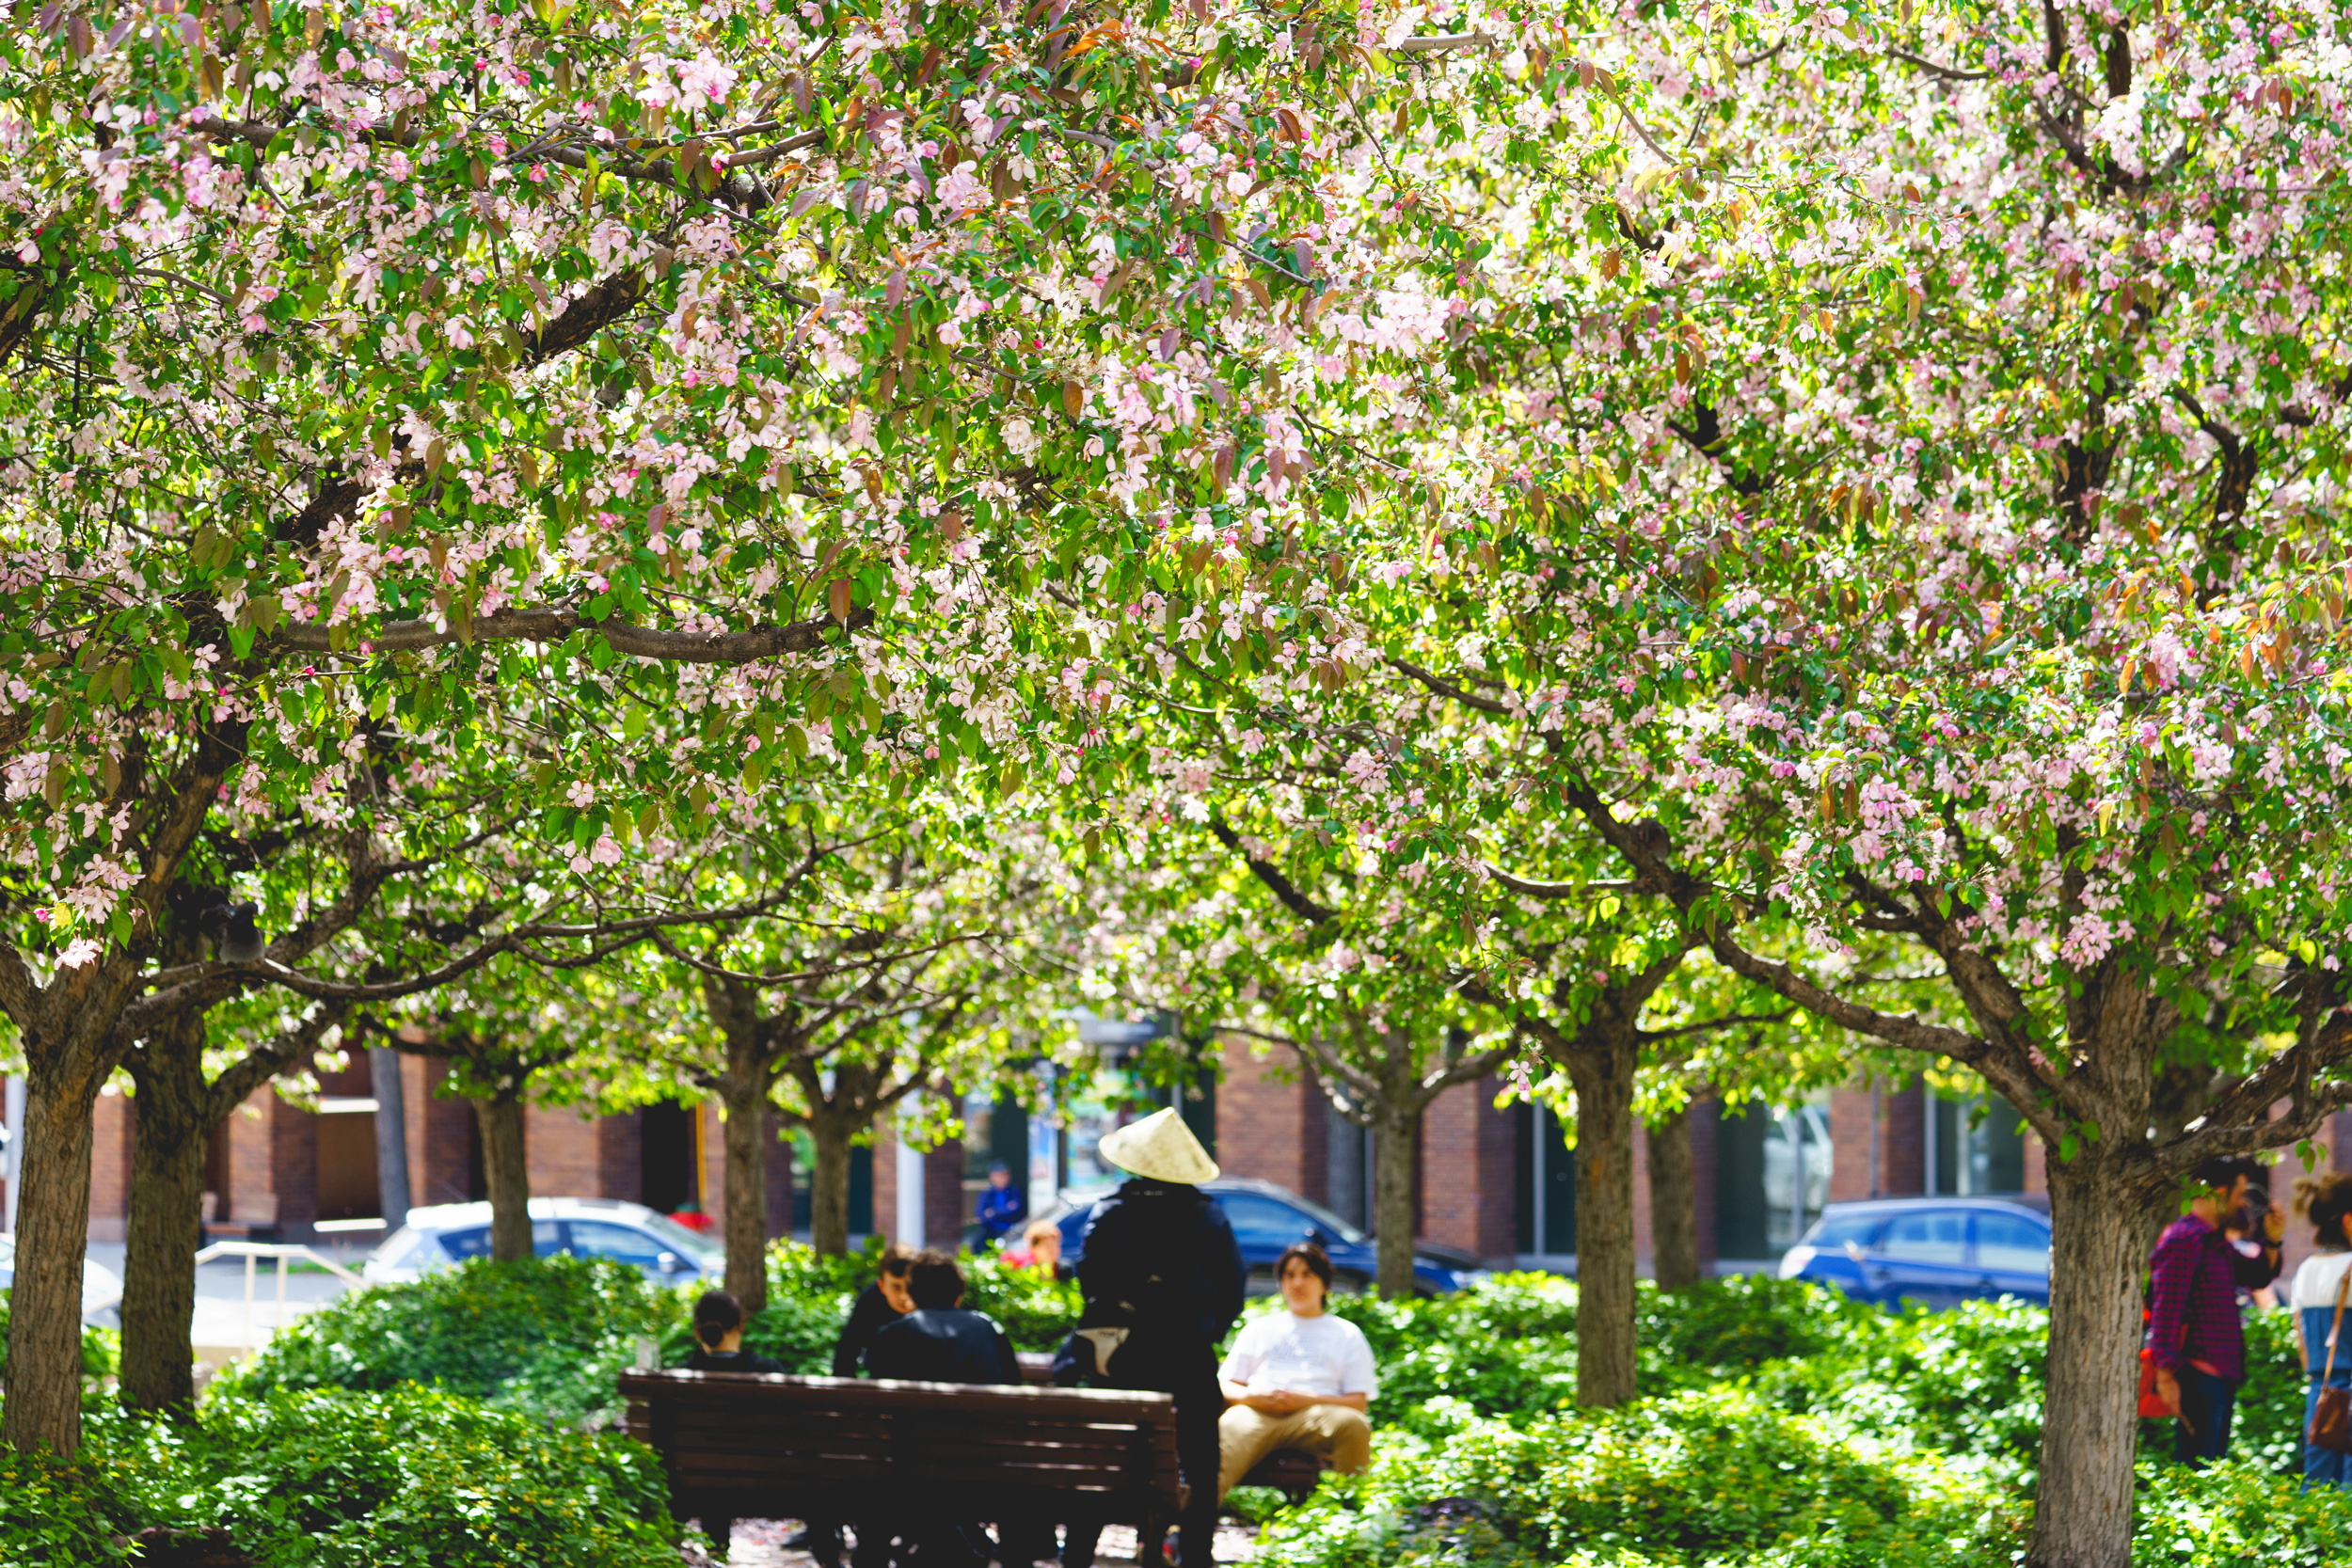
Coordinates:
[1162,1276]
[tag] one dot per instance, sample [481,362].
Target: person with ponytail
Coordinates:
[2326,1200]
[718,1348]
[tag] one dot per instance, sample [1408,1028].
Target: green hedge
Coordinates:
[809,1299]
[546,1336]
[410,1475]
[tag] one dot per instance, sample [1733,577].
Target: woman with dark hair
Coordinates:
[2317,1296]
[2196,1339]
[1296,1378]
[718,1348]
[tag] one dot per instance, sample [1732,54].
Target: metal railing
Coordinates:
[285,1252]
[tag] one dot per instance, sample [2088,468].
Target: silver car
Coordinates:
[449,1233]
[101,1287]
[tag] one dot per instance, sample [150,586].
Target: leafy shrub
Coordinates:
[546,1336]
[55,1515]
[2236,1516]
[1036,1310]
[412,1476]
[1690,1479]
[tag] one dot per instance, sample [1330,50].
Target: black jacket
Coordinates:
[741,1361]
[944,1344]
[1160,1257]
[868,1315]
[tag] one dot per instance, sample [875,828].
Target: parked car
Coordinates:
[1267,1219]
[1938,1252]
[448,1233]
[101,1287]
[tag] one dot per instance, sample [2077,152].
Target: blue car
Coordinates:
[1938,1252]
[1267,1219]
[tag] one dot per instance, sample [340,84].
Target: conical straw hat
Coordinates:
[1162,1147]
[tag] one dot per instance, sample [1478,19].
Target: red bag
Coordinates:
[2152,1402]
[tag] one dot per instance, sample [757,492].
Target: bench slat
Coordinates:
[749,1444]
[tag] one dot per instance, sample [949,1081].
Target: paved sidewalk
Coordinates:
[759,1543]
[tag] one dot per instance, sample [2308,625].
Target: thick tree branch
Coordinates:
[553,626]
[1281,886]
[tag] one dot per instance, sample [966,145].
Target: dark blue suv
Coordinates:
[1937,1251]
[1267,1219]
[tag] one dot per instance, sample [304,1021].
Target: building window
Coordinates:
[1772,1180]
[1975,1145]
[1547,1184]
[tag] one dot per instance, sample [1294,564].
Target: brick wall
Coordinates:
[448,1173]
[1270,1120]
[886,1179]
[252,1196]
[714,1164]
[110,1167]
[621,1156]
[1468,1154]
[1644,1218]
[1705,1121]
[561,1151]
[1904,1140]
[1855,1170]
[943,1211]
[294,1142]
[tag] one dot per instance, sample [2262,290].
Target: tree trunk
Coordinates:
[172,1124]
[392,1136]
[508,1174]
[744,1098]
[1674,1202]
[44,1392]
[1602,1071]
[828,1185]
[2083,1511]
[1396,1139]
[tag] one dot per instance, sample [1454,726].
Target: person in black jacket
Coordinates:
[1162,1276]
[937,1342]
[881,1304]
[718,1348]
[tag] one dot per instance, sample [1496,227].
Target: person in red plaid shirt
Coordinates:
[2194,1336]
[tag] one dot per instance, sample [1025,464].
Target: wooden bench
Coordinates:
[754,1445]
[1293,1472]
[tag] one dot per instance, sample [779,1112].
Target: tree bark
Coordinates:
[508,1172]
[745,1103]
[1674,1202]
[2083,1508]
[828,1185]
[1602,1071]
[167,1216]
[1396,1139]
[44,1393]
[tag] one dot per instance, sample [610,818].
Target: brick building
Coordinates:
[1495,1182]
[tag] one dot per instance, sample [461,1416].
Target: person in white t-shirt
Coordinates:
[1298,1379]
[2326,1200]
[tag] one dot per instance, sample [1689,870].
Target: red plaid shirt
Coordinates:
[2195,1275]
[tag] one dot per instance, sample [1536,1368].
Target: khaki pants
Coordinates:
[1244,1437]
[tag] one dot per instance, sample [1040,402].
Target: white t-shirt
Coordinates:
[1307,1355]
[2315,1281]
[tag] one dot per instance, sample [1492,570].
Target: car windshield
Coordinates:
[1327,1219]
[682,1241]
[1836,1231]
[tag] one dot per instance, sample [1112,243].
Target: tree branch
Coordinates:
[1281,886]
[553,626]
